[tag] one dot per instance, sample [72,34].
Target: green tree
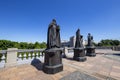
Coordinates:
[30,46]
[109,42]
[116,42]
[23,45]
[43,45]
[37,45]
[4,44]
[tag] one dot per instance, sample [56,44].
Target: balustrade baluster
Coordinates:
[40,54]
[29,54]
[24,55]
[2,61]
[36,54]
[33,54]
[20,55]
[26,60]
[3,58]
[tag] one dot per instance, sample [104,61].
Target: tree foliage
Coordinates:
[109,42]
[4,44]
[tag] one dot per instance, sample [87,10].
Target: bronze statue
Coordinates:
[90,40]
[53,38]
[90,47]
[79,39]
[79,51]
[53,53]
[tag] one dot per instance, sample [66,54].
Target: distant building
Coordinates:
[71,42]
[65,43]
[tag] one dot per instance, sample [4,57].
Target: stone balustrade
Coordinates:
[116,48]
[2,58]
[14,56]
[69,49]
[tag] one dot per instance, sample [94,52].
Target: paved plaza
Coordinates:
[101,67]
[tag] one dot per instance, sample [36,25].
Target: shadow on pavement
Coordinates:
[117,54]
[69,58]
[37,64]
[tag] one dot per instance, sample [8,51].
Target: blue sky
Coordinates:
[28,20]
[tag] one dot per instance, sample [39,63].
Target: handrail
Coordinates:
[23,50]
[3,51]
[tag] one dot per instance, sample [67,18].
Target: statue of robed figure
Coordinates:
[53,53]
[53,38]
[90,47]
[79,51]
[90,40]
[79,39]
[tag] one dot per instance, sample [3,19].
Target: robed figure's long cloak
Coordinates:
[78,42]
[53,36]
[90,39]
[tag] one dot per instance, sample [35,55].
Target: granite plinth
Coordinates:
[53,61]
[90,51]
[79,54]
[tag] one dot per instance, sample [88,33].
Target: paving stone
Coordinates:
[56,76]
[115,70]
[96,68]
[117,67]
[65,72]
[78,76]
[113,73]
[88,66]
[15,78]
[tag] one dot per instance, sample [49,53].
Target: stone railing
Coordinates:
[2,58]
[103,47]
[14,56]
[70,49]
[116,48]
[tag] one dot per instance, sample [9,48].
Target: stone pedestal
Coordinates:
[79,54]
[90,51]
[53,61]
